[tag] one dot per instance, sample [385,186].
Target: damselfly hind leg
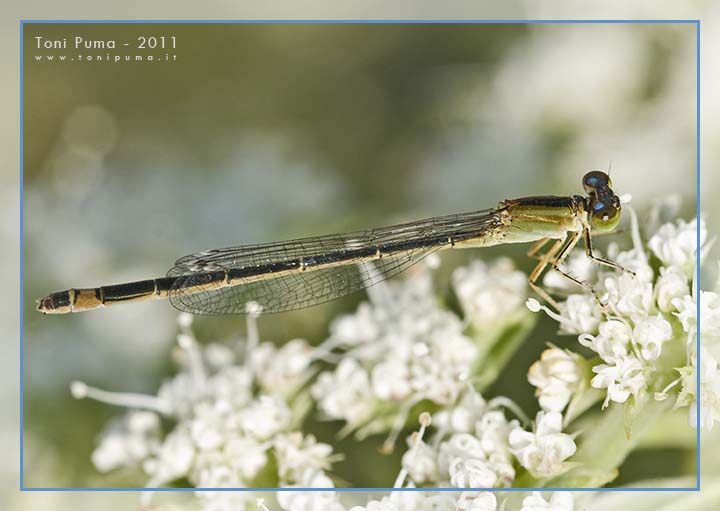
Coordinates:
[535,249]
[554,257]
[538,270]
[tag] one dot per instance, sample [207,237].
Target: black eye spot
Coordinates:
[595,181]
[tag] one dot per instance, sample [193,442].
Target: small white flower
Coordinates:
[345,393]
[436,381]
[686,313]
[461,418]
[404,501]
[231,387]
[459,446]
[450,347]
[356,329]
[208,427]
[437,502]
[676,244]
[264,417]
[634,260]
[492,429]
[577,314]
[211,470]
[174,458]
[489,292]
[409,500]
[281,370]
[227,500]
[296,454]
[391,380]
[559,501]
[127,442]
[709,389]
[471,473]
[611,342]
[554,396]
[501,464]
[472,501]
[420,462]
[310,500]
[651,333]
[671,284]
[180,394]
[581,313]
[709,314]
[630,296]
[556,376]
[384,504]
[543,451]
[709,392]
[623,378]
[246,455]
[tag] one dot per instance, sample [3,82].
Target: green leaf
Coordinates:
[604,445]
[669,431]
[582,477]
[706,499]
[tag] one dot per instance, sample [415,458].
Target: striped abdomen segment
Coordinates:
[76,300]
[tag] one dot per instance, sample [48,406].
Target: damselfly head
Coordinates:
[603,204]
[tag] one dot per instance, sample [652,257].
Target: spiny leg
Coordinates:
[555,257]
[588,251]
[545,259]
[560,258]
[533,251]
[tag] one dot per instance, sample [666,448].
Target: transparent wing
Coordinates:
[401,247]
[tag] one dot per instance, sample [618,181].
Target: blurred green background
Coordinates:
[265,132]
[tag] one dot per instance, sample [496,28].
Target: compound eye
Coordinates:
[603,216]
[594,180]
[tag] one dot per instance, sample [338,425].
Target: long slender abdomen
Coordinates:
[77,300]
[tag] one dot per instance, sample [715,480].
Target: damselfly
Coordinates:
[300,273]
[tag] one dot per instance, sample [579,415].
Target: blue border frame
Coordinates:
[695,22]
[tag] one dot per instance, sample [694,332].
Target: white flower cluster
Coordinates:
[709,392]
[231,422]
[474,446]
[643,311]
[421,501]
[428,501]
[403,347]
[489,292]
